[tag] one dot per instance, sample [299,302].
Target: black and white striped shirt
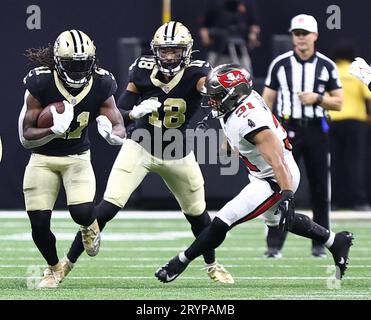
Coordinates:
[288,75]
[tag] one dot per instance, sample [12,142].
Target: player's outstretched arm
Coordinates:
[271,150]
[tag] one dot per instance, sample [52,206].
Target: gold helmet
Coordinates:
[172,47]
[74,57]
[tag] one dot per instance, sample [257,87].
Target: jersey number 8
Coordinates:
[174,109]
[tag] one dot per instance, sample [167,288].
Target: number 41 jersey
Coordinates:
[47,88]
[179,97]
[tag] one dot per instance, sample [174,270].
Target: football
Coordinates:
[45,119]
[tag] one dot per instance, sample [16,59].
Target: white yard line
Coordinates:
[156,258]
[341,215]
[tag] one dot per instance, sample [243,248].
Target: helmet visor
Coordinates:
[77,69]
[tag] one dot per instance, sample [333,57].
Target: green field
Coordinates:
[132,249]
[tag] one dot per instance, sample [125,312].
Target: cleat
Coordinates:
[170,271]
[318,252]
[218,273]
[67,266]
[91,238]
[273,253]
[52,276]
[340,251]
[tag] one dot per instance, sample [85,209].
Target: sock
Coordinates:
[275,238]
[198,224]
[305,227]
[105,212]
[42,236]
[210,238]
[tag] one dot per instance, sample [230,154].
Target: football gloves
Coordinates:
[286,209]
[104,126]
[145,107]
[361,70]
[62,121]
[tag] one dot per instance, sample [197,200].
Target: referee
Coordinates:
[306,85]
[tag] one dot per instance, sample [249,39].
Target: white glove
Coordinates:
[105,130]
[62,121]
[146,106]
[361,70]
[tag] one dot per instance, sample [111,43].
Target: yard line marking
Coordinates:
[156,258]
[63,214]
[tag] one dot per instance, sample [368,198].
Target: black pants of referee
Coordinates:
[311,143]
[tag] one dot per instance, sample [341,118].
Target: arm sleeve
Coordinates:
[126,102]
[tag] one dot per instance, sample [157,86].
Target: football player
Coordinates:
[60,154]
[168,84]
[362,71]
[261,142]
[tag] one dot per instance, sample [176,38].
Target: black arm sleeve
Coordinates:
[125,103]
[369,86]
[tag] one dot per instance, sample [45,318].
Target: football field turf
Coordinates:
[132,249]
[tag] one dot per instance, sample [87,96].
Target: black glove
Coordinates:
[287,210]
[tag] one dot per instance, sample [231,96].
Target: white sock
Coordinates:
[182,257]
[330,240]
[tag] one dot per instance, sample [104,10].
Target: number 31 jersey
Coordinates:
[249,118]
[179,97]
[47,88]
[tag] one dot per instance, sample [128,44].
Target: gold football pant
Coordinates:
[183,177]
[44,175]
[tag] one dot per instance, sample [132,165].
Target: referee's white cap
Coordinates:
[304,22]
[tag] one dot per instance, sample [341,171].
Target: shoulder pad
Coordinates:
[144,62]
[37,75]
[104,73]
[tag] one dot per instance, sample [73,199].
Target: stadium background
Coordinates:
[106,22]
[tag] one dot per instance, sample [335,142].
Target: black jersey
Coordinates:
[47,88]
[179,97]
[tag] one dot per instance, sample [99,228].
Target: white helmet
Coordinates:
[173,36]
[74,57]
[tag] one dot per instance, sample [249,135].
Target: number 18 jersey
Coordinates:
[179,97]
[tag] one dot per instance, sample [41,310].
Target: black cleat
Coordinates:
[340,251]
[170,271]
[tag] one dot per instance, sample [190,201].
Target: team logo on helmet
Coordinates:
[233,78]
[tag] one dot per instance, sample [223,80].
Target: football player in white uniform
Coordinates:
[253,132]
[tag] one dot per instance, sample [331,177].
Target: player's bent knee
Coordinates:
[82,213]
[194,209]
